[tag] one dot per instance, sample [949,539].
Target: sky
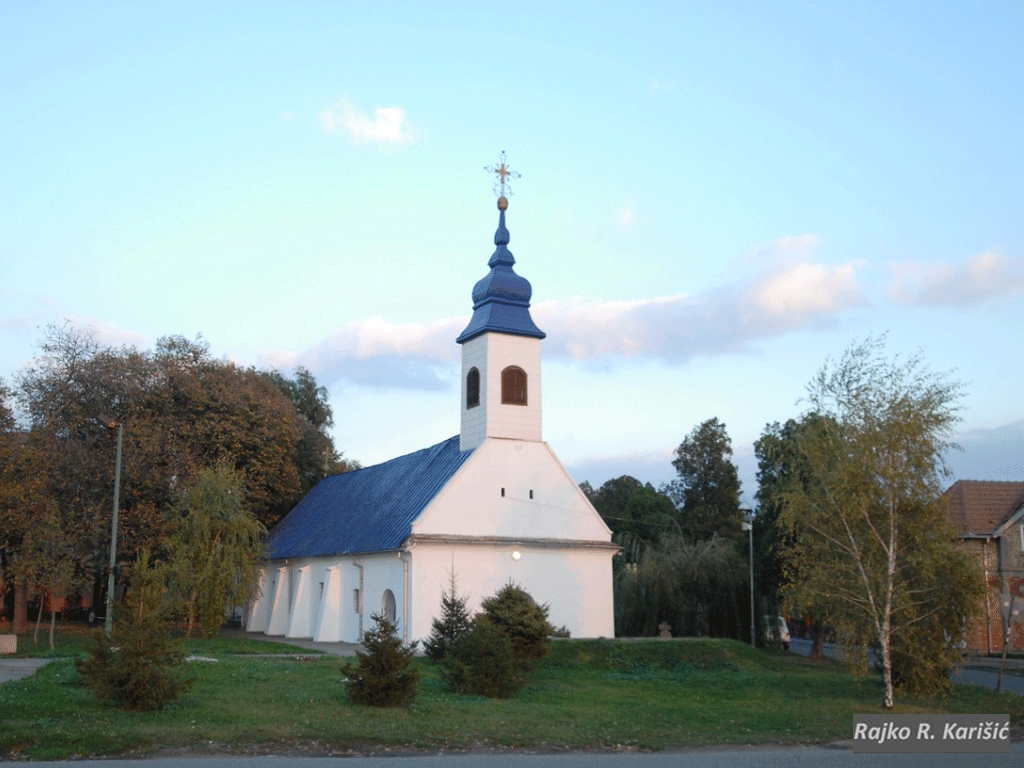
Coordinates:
[715,198]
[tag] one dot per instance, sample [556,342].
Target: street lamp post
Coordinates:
[109,620]
[748,525]
[1009,611]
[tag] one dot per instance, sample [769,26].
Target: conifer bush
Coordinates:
[141,666]
[451,627]
[517,614]
[382,676]
[482,662]
[502,646]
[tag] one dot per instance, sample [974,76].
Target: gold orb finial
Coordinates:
[502,203]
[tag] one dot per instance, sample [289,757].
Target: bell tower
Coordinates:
[501,394]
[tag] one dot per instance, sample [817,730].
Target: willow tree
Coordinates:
[697,588]
[870,547]
[216,550]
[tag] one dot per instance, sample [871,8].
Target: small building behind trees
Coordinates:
[989,517]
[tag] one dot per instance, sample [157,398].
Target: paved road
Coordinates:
[983,672]
[750,757]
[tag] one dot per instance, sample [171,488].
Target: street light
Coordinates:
[1007,602]
[110,423]
[748,525]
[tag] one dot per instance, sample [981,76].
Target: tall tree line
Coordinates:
[682,562]
[182,410]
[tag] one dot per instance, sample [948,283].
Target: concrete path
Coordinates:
[337,649]
[16,669]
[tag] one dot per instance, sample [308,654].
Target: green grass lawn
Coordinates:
[608,695]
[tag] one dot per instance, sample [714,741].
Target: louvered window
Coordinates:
[513,386]
[472,388]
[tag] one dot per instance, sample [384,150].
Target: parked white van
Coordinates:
[776,631]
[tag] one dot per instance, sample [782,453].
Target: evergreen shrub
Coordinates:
[382,676]
[141,666]
[512,610]
[483,662]
[502,645]
[451,627]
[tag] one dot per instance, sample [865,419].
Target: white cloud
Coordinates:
[677,328]
[990,454]
[381,355]
[25,310]
[109,334]
[976,279]
[672,329]
[388,125]
[625,215]
[806,290]
[788,247]
[660,86]
[654,467]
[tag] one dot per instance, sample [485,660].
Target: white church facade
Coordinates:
[492,504]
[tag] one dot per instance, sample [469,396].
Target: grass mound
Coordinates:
[676,655]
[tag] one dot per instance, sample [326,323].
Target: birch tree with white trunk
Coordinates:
[869,546]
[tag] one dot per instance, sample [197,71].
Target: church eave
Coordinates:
[501,317]
[445,539]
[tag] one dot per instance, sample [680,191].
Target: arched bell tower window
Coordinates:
[513,386]
[472,388]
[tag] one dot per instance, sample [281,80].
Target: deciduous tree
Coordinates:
[694,587]
[869,543]
[781,466]
[638,514]
[216,549]
[707,489]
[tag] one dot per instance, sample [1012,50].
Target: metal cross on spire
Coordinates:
[503,173]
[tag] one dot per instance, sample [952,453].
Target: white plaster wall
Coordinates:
[383,571]
[300,609]
[327,627]
[473,429]
[472,504]
[280,608]
[575,584]
[300,618]
[259,612]
[490,354]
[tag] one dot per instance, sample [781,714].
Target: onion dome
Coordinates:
[501,300]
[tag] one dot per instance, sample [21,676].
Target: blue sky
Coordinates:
[715,197]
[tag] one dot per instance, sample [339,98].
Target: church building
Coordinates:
[492,504]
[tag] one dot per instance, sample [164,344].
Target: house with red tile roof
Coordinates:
[989,518]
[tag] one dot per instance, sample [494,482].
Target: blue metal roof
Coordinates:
[501,300]
[367,510]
